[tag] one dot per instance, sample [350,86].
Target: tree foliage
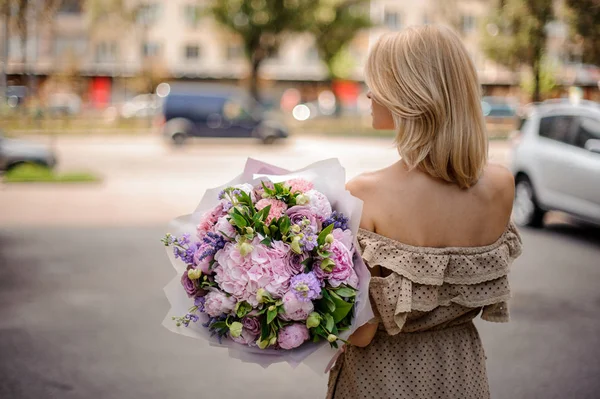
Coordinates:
[335,25]
[515,35]
[586,24]
[262,25]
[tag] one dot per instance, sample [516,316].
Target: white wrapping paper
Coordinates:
[328,177]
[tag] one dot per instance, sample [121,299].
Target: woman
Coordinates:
[435,229]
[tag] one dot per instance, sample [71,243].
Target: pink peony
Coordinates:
[345,237]
[217,303]
[292,336]
[319,204]
[276,211]
[299,185]
[294,308]
[343,272]
[208,220]
[224,227]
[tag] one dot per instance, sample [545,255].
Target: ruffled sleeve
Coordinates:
[423,279]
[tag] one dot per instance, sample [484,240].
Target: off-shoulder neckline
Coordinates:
[441,250]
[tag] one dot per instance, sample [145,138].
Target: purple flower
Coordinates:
[306,286]
[190,286]
[199,303]
[251,324]
[299,213]
[293,262]
[338,220]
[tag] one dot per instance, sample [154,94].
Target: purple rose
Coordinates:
[298,213]
[251,324]
[293,262]
[190,286]
[292,336]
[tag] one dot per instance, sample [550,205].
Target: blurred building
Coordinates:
[114,57]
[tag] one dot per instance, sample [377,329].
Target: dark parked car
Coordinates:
[216,111]
[16,152]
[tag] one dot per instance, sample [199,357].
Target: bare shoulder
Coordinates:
[501,186]
[501,179]
[363,185]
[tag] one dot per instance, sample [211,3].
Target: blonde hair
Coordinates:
[425,77]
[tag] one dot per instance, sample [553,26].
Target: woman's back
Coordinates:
[415,209]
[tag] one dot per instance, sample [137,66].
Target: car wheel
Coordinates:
[269,139]
[526,211]
[179,139]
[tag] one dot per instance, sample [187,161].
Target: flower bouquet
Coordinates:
[268,265]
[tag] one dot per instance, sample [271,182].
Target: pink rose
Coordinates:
[276,211]
[319,204]
[299,185]
[224,227]
[208,220]
[217,303]
[298,213]
[251,324]
[343,272]
[292,336]
[296,309]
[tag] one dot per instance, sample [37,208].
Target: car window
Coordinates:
[235,110]
[588,129]
[559,128]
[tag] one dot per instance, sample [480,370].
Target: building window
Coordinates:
[150,49]
[191,15]
[106,52]
[148,14]
[234,52]
[192,52]
[392,19]
[70,7]
[468,23]
[66,45]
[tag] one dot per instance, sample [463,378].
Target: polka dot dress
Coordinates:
[427,345]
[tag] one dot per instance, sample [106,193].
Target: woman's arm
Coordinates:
[359,187]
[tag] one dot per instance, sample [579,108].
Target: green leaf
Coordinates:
[271,314]
[267,189]
[266,230]
[327,230]
[267,241]
[242,309]
[239,221]
[342,308]
[273,229]
[329,323]
[265,330]
[346,292]
[323,254]
[284,225]
[264,213]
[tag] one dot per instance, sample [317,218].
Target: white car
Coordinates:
[556,163]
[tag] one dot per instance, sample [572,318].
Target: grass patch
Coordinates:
[32,173]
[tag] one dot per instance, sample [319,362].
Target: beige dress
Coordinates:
[427,345]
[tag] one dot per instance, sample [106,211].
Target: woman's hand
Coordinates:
[363,335]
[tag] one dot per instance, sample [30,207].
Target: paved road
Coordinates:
[148,183]
[81,311]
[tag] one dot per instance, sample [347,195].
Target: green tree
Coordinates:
[586,24]
[336,24]
[262,25]
[515,35]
